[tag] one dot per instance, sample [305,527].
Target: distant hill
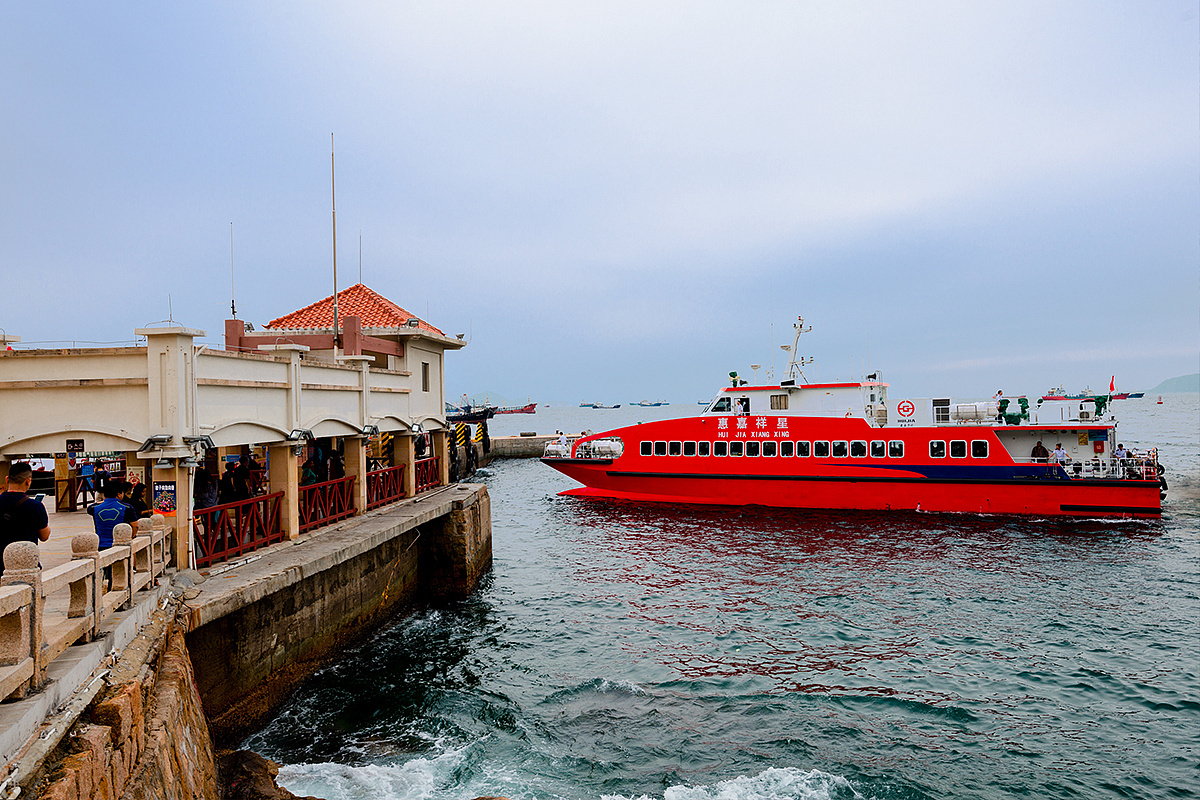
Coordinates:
[1184,383]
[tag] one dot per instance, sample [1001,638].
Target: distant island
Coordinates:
[1184,383]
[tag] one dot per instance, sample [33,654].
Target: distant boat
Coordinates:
[468,412]
[1059,393]
[650,403]
[1160,400]
[597,405]
[528,408]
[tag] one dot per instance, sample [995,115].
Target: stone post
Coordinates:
[21,566]
[404,455]
[285,477]
[162,555]
[356,465]
[122,578]
[85,595]
[144,560]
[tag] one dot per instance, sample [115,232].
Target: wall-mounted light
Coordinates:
[163,463]
[189,463]
[370,430]
[301,435]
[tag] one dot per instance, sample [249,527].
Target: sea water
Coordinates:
[623,651]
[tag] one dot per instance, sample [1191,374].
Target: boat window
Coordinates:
[675,448]
[878,449]
[895,449]
[840,449]
[958,449]
[803,449]
[660,448]
[769,448]
[735,448]
[937,449]
[689,448]
[979,448]
[702,448]
[786,449]
[941,411]
[779,402]
[821,449]
[647,448]
[752,448]
[720,448]
[721,405]
[858,449]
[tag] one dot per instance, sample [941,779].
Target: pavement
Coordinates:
[63,527]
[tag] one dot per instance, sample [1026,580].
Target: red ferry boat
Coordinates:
[851,446]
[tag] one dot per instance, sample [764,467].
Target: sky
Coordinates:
[623,200]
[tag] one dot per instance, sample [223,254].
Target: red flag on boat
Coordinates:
[1112,384]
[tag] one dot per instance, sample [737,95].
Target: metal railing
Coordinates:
[427,474]
[323,503]
[231,529]
[1139,468]
[385,486]
[33,632]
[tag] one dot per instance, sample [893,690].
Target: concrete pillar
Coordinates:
[441,448]
[284,475]
[356,465]
[178,519]
[404,455]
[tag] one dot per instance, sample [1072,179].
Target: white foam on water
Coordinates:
[417,779]
[428,778]
[776,783]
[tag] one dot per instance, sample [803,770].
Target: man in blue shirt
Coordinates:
[110,513]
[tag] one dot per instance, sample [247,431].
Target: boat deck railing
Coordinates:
[1138,468]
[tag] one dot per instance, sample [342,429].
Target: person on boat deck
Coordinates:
[1060,455]
[1121,452]
[1040,454]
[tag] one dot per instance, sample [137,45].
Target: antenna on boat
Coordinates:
[797,361]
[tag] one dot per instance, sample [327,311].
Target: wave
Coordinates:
[427,778]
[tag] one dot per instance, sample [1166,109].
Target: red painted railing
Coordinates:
[427,474]
[323,503]
[258,481]
[231,529]
[385,486]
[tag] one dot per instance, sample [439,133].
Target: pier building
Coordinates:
[283,578]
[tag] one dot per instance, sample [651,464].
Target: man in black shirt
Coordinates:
[22,519]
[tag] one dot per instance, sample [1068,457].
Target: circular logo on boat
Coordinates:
[905,408]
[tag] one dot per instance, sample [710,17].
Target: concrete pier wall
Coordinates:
[258,629]
[221,651]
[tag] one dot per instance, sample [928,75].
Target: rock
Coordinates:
[248,776]
[187,578]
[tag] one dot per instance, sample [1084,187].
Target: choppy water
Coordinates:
[636,651]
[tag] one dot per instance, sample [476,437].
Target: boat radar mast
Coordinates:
[797,361]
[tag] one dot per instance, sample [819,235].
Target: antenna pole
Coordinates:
[232,299]
[333,202]
[360,255]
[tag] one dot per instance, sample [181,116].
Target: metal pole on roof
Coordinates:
[333,199]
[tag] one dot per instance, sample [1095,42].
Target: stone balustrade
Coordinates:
[34,631]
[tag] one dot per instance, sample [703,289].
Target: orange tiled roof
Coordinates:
[375,311]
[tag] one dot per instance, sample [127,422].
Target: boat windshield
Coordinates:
[720,404]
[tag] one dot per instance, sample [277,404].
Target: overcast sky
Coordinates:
[618,201]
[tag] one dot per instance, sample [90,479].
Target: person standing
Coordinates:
[111,513]
[22,519]
[1060,455]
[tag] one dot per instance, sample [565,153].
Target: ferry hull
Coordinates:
[1024,496]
